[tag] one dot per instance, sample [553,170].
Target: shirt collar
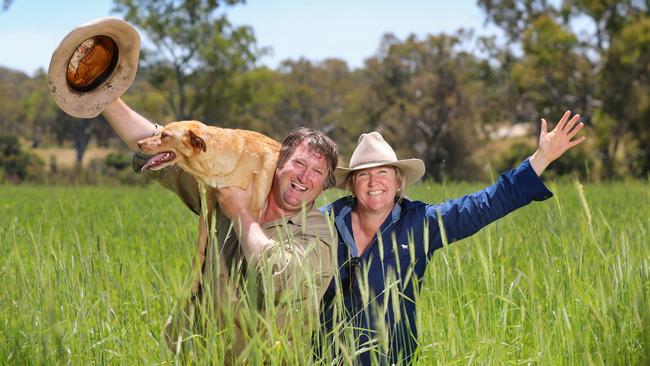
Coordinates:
[295,219]
[343,222]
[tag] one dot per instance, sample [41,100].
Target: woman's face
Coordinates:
[376,188]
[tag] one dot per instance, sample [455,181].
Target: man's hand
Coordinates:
[234,202]
[554,144]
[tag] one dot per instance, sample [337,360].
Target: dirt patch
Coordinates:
[67,157]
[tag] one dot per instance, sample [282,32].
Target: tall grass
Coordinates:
[89,276]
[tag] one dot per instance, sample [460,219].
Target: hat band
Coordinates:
[372,162]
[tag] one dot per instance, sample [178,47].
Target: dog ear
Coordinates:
[196,140]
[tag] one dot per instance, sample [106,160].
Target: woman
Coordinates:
[386,240]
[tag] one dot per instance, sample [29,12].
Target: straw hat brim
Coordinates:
[412,170]
[88,104]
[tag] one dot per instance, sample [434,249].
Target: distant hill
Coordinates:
[12,76]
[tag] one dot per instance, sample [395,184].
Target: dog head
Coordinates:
[176,143]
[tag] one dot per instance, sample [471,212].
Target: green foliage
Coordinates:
[552,76]
[433,96]
[557,283]
[94,273]
[629,56]
[17,165]
[425,97]
[574,164]
[197,51]
[118,161]
[514,155]
[514,16]
[117,166]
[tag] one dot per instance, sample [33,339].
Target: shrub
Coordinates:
[16,164]
[574,163]
[118,161]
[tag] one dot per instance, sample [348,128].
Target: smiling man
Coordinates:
[287,254]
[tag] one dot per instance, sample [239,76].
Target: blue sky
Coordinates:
[348,29]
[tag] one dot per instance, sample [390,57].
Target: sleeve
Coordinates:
[465,216]
[173,178]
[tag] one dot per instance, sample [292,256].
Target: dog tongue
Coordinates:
[158,159]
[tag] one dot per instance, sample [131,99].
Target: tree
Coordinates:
[12,91]
[627,72]
[514,16]
[315,92]
[553,75]
[79,131]
[622,85]
[15,164]
[607,16]
[599,74]
[196,52]
[39,110]
[426,101]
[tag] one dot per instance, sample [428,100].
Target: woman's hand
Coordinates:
[554,144]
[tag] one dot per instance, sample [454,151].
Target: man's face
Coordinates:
[301,179]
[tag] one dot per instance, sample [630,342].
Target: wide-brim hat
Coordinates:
[373,151]
[94,65]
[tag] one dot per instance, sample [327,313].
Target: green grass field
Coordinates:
[89,275]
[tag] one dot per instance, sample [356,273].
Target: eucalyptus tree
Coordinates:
[191,52]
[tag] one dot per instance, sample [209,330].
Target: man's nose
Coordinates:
[140,143]
[303,175]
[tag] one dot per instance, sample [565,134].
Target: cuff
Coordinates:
[532,183]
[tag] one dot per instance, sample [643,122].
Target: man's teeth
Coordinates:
[298,186]
[375,193]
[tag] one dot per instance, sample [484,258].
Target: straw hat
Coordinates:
[94,65]
[373,151]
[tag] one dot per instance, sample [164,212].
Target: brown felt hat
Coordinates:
[94,65]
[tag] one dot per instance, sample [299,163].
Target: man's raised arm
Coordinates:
[130,126]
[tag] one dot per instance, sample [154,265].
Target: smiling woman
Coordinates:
[376,189]
[386,241]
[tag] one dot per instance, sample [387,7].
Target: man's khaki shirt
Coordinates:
[287,280]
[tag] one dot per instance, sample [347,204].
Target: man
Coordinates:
[286,255]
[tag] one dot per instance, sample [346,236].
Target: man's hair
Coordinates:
[318,143]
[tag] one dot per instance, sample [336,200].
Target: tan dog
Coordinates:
[216,157]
